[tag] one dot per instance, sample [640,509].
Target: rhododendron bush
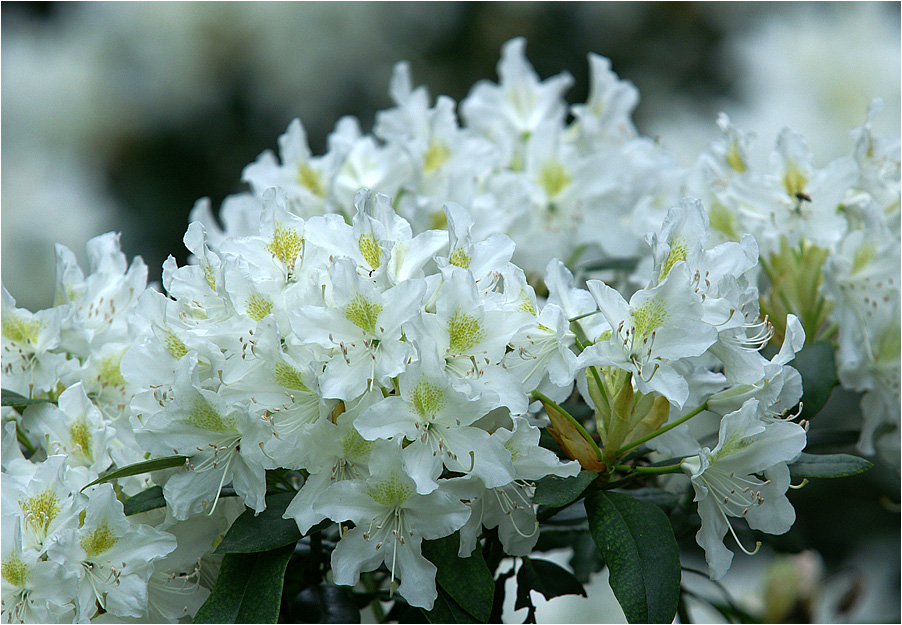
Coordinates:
[393,372]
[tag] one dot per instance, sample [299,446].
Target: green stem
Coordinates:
[583,316]
[671,468]
[24,440]
[662,430]
[582,341]
[579,427]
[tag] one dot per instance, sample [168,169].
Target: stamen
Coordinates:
[736,538]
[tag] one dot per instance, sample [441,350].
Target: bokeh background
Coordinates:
[119,116]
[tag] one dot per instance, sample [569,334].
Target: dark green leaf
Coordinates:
[554,491]
[248,589]
[447,610]
[636,542]
[818,368]
[11,398]
[263,532]
[828,465]
[586,558]
[324,603]
[546,577]
[145,500]
[658,496]
[157,464]
[467,580]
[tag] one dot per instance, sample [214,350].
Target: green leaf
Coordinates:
[323,603]
[637,543]
[658,496]
[626,263]
[816,362]
[248,589]
[467,581]
[828,465]
[145,500]
[157,464]
[447,610]
[555,492]
[14,399]
[546,577]
[263,532]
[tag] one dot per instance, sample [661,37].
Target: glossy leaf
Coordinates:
[828,465]
[248,589]
[447,610]
[16,400]
[636,542]
[554,491]
[662,498]
[324,603]
[263,532]
[816,362]
[157,464]
[547,578]
[467,581]
[149,499]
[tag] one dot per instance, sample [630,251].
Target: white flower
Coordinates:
[239,214]
[111,556]
[471,331]
[721,278]
[276,377]
[46,501]
[380,168]
[34,590]
[199,423]
[337,452]
[363,327]
[484,259]
[520,103]
[306,179]
[542,357]
[30,364]
[75,428]
[391,520]
[796,200]
[725,483]
[605,117]
[100,302]
[780,387]
[509,507]
[437,419]
[657,326]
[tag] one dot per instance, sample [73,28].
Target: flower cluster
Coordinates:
[366,327]
[559,190]
[373,360]
[830,251]
[69,550]
[587,191]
